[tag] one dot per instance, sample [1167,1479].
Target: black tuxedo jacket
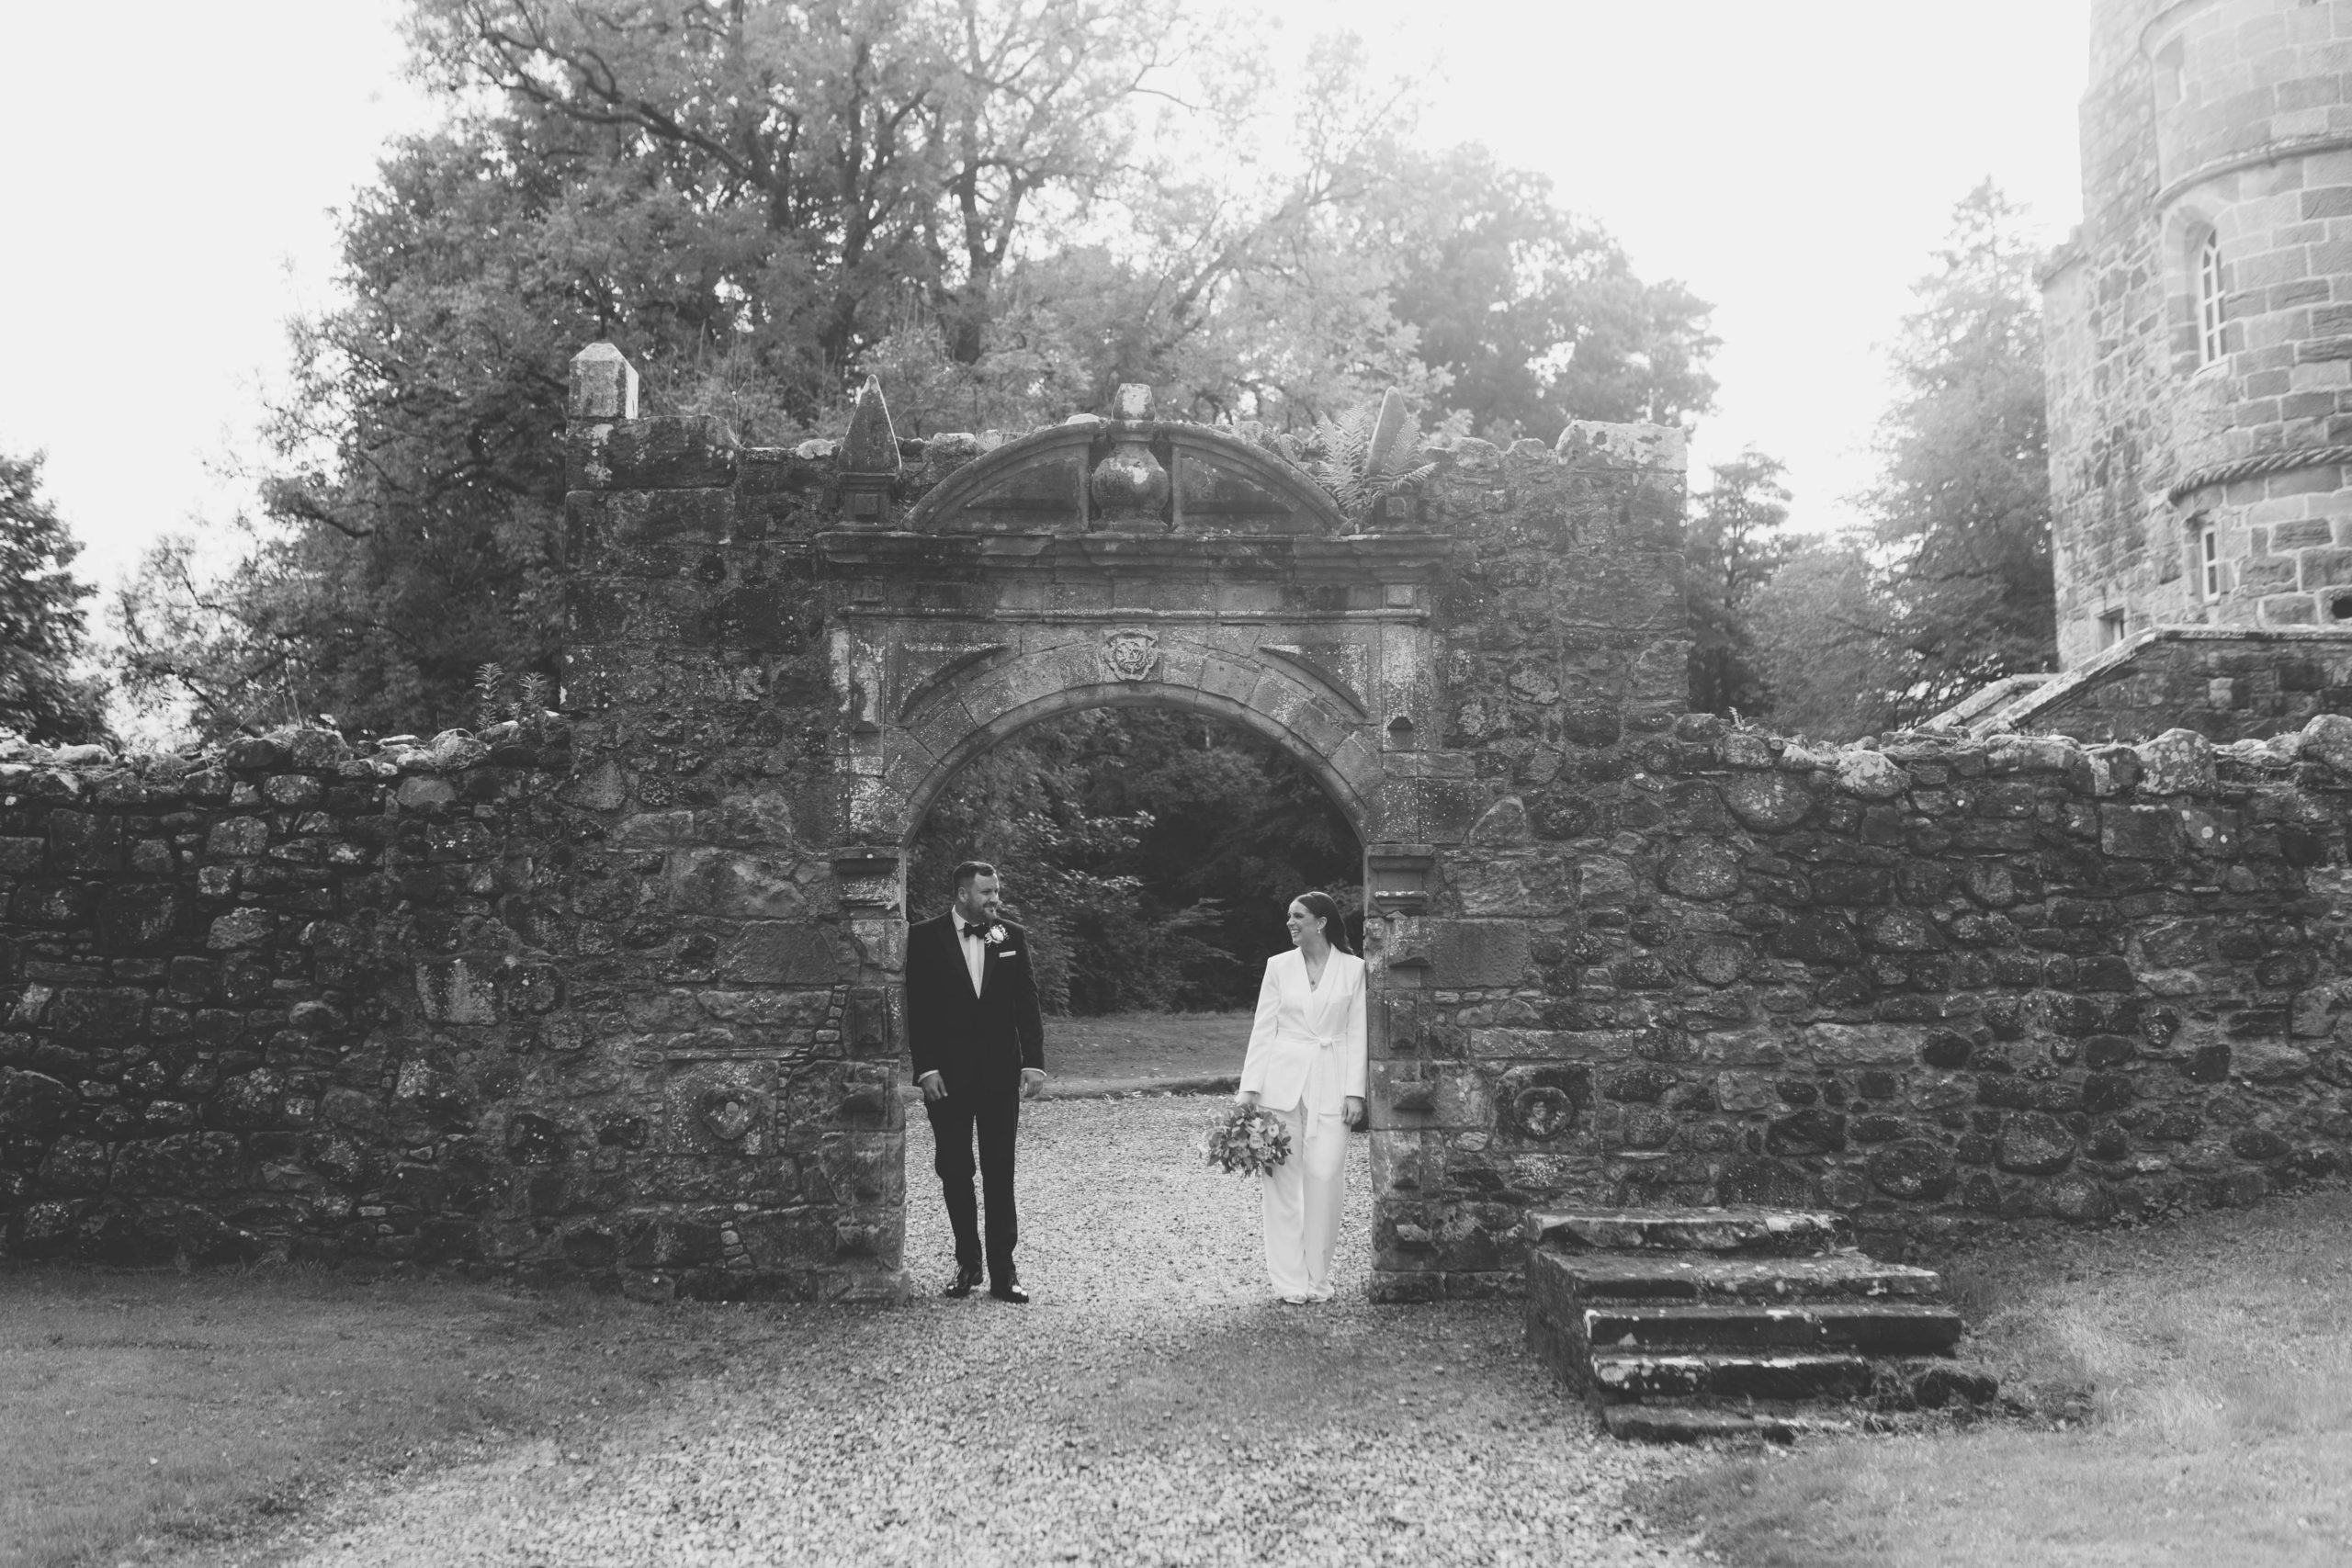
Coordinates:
[981,1040]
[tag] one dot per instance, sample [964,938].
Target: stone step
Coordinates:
[1623,1376]
[1580,1279]
[1776,1421]
[1781,1233]
[1680,1323]
[1874,1327]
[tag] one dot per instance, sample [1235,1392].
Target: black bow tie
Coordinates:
[972,930]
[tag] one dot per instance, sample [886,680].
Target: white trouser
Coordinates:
[1303,1194]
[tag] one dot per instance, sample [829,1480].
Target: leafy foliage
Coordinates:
[1003,208]
[42,623]
[1154,854]
[1962,502]
[1534,315]
[1733,547]
[1820,632]
[1950,587]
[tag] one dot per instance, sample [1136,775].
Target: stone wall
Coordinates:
[581,998]
[1567,661]
[1937,985]
[740,977]
[283,1000]
[615,993]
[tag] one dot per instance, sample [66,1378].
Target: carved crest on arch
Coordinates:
[1130,653]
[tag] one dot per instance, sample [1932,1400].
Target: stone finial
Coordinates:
[603,385]
[1130,485]
[872,445]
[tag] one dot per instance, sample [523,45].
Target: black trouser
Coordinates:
[993,1113]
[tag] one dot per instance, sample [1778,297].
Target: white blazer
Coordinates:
[1301,1029]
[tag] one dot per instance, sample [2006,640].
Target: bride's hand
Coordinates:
[1247,1099]
[1355,1111]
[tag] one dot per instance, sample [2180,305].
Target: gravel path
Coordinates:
[1152,1405]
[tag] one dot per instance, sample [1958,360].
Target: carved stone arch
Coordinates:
[1210,481]
[776,658]
[1205,669]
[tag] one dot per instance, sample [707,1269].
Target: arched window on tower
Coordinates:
[2209,300]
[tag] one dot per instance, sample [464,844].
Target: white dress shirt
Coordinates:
[1307,1043]
[976,952]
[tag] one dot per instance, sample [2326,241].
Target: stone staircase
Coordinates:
[1681,1324]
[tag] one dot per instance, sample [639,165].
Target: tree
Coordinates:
[1732,547]
[876,142]
[1007,207]
[42,618]
[1534,314]
[1962,506]
[1830,666]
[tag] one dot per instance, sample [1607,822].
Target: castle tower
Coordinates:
[2200,325]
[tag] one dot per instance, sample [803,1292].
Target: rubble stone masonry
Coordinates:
[613,993]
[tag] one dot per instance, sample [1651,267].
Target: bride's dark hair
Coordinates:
[1325,908]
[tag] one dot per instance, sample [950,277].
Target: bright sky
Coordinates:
[172,171]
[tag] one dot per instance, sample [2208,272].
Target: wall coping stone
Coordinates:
[1980,717]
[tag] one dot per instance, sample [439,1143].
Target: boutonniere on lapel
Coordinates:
[995,937]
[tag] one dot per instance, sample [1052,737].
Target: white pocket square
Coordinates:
[1007,953]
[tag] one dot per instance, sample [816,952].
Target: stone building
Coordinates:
[2199,364]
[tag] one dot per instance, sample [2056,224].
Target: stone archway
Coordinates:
[1066,571]
[778,657]
[1346,792]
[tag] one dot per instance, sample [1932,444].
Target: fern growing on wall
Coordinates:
[524,699]
[1360,458]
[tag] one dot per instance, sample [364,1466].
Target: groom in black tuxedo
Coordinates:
[980,1050]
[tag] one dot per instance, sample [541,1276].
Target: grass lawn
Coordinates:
[1146,1044]
[140,1411]
[2197,1384]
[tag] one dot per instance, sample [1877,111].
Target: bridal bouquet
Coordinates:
[1247,1140]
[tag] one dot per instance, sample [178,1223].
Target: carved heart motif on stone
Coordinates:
[728,1114]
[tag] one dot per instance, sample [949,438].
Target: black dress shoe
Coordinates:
[1009,1291]
[966,1277]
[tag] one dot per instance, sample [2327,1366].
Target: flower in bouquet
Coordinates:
[1247,1141]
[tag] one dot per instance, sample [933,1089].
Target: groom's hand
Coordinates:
[1032,1080]
[934,1088]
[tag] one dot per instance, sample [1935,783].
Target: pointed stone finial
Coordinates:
[872,445]
[1133,404]
[603,385]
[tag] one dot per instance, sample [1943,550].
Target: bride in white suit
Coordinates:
[1306,1065]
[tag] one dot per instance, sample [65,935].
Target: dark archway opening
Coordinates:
[1151,851]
